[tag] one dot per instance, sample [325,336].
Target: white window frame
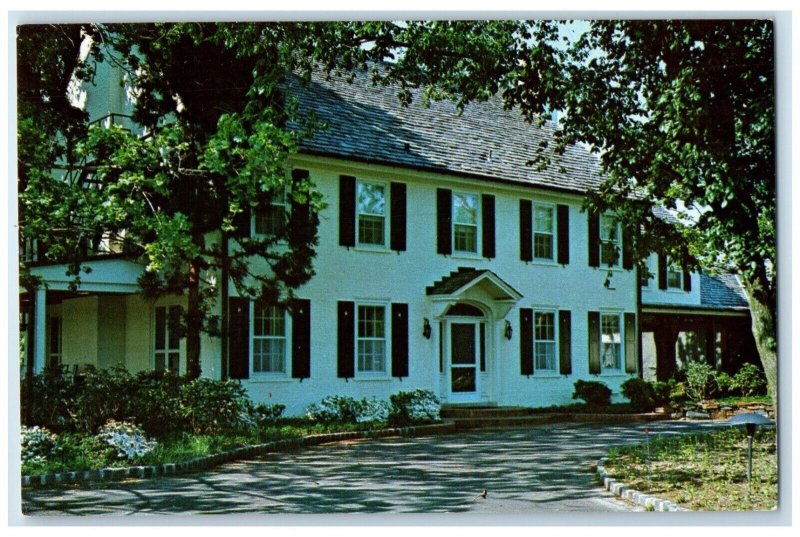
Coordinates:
[372,373]
[620,358]
[477,225]
[58,352]
[552,233]
[372,245]
[287,329]
[618,242]
[554,342]
[652,274]
[166,350]
[286,207]
[674,269]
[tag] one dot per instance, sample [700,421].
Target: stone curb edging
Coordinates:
[639,498]
[209,461]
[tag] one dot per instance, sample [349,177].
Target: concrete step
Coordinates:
[459,412]
[505,422]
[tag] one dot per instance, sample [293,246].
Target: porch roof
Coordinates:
[104,276]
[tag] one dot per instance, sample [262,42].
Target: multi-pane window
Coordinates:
[272,219]
[542,232]
[54,355]
[674,276]
[167,343]
[371,339]
[371,209]
[609,241]
[646,274]
[610,342]
[544,340]
[269,339]
[465,222]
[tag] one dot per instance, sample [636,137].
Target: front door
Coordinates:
[464,374]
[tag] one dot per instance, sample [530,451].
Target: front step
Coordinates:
[455,412]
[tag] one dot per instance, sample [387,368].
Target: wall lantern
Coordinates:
[508,332]
[750,421]
[426,328]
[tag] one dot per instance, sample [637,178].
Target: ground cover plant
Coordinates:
[704,472]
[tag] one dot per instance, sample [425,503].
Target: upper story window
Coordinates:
[610,342]
[371,339]
[544,340]
[542,232]
[272,219]
[371,213]
[269,339]
[609,241]
[646,274]
[674,276]
[465,222]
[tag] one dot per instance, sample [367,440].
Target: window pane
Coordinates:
[545,327]
[609,254]
[173,328]
[610,342]
[371,338]
[161,328]
[543,246]
[370,229]
[371,355]
[543,219]
[465,209]
[465,238]
[271,220]
[371,321]
[674,277]
[370,199]
[608,228]
[545,354]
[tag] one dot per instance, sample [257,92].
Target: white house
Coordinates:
[445,262]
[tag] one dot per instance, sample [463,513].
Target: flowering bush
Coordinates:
[334,408]
[414,407]
[38,444]
[127,439]
[214,406]
[373,410]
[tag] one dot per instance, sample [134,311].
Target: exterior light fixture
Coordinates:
[426,328]
[509,332]
[750,421]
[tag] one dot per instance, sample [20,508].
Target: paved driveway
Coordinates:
[537,469]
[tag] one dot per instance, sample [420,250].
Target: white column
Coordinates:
[39,337]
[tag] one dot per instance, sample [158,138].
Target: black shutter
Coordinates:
[627,249]
[444,221]
[398,216]
[239,338]
[347,210]
[487,208]
[630,343]
[483,347]
[242,224]
[563,233]
[594,240]
[565,342]
[687,280]
[301,339]
[525,232]
[526,341]
[400,340]
[662,271]
[302,226]
[594,343]
[346,343]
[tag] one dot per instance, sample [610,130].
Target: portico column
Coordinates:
[40,318]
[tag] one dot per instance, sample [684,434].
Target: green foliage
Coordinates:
[641,394]
[50,400]
[418,406]
[724,384]
[155,402]
[592,392]
[264,415]
[699,381]
[101,395]
[214,406]
[750,380]
[662,392]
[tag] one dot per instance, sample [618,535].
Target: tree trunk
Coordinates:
[193,322]
[762,311]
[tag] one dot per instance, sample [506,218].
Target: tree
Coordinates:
[681,115]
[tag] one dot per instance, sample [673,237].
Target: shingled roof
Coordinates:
[722,291]
[367,123]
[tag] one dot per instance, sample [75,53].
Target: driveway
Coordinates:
[536,469]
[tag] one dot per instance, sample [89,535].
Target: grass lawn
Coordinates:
[705,472]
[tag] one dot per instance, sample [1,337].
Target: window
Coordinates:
[465,222]
[544,341]
[646,273]
[272,219]
[269,339]
[54,356]
[371,339]
[674,276]
[610,342]
[167,333]
[609,241]
[542,232]
[371,210]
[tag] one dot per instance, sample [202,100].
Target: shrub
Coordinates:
[47,399]
[102,395]
[750,380]
[724,384]
[155,403]
[264,415]
[127,440]
[38,445]
[334,408]
[640,393]
[592,392]
[662,392]
[699,381]
[418,406]
[214,406]
[373,410]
